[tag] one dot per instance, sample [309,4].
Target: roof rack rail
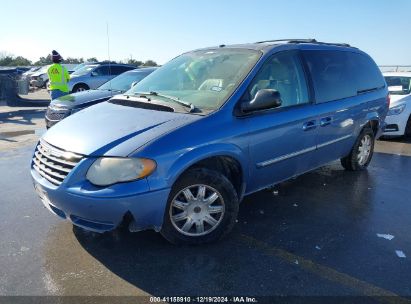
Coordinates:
[290,41]
[337,44]
[305,41]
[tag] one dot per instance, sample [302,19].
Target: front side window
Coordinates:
[84,70]
[118,69]
[204,78]
[398,85]
[282,72]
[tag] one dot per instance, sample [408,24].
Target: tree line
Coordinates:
[10,60]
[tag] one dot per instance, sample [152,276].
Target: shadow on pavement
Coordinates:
[25,102]
[23,117]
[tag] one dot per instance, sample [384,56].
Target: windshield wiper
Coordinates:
[175,99]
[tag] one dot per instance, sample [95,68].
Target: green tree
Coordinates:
[134,62]
[150,63]
[6,60]
[21,61]
[92,59]
[44,60]
[10,60]
[73,60]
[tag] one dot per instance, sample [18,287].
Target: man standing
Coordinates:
[58,77]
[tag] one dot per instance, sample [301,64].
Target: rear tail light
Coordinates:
[388,100]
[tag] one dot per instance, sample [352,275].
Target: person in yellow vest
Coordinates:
[58,77]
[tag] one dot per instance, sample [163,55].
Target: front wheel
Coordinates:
[80,88]
[361,154]
[202,208]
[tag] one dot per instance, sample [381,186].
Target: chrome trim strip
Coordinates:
[297,153]
[56,160]
[333,141]
[284,157]
[50,164]
[49,178]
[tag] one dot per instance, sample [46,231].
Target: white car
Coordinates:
[399,116]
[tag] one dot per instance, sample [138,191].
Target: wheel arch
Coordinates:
[372,121]
[80,84]
[229,160]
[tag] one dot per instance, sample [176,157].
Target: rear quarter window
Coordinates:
[341,74]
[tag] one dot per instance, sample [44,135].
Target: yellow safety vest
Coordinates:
[58,77]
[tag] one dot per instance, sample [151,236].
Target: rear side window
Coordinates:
[101,71]
[118,69]
[340,74]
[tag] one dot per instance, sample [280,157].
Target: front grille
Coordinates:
[57,115]
[54,164]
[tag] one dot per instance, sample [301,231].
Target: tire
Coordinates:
[80,87]
[407,132]
[189,222]
[359,159]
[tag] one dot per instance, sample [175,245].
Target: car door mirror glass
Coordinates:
[263,100]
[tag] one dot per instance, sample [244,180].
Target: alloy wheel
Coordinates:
[197,210]
[364,150]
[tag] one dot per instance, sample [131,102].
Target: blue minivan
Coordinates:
[178,152]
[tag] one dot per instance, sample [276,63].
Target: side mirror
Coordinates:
[133,84]
[93,74]
[263,100]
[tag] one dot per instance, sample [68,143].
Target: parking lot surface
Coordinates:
[315,235]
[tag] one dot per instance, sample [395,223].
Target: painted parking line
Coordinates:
[325,272]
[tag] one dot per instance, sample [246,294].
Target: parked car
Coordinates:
[180,150]
[399,116]
[64,106]
[39,79]
[91,76]
[30,72]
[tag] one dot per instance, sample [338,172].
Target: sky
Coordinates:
[162,29]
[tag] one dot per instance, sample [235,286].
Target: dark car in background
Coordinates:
[91,76]
[66,105]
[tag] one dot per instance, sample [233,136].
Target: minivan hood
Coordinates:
[113,130]
[80,99]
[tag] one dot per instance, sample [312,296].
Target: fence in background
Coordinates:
[395,68]
[8,87]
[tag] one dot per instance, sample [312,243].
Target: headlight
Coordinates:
[110,170]
[396,110]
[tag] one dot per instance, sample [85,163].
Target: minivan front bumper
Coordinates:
[102,210]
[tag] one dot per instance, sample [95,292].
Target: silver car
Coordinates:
[94,75]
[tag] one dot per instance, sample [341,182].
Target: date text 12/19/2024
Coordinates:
[203,300]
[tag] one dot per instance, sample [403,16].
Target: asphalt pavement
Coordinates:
[326,233]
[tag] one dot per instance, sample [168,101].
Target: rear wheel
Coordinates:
[202,208]
[361,154]
[80,88]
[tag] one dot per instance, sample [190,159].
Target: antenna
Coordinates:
[108,52]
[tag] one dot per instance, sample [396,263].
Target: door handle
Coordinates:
[325,121]
[309,125]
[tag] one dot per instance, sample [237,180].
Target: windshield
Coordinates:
[203,78]
[398,85]
[84,70]
[81,65]
[123,82]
